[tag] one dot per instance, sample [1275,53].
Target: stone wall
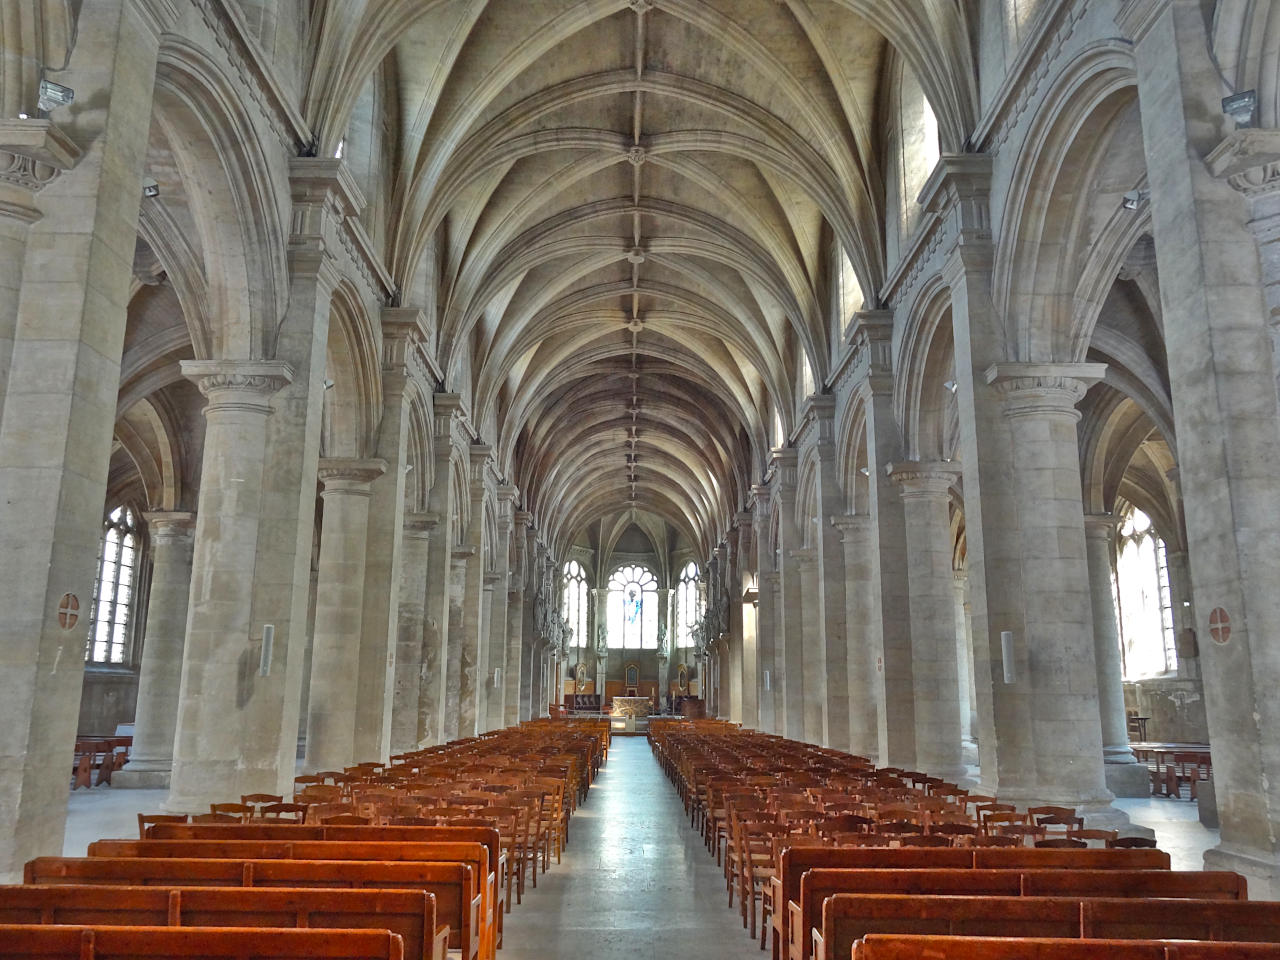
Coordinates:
[1175,706]
[108,698]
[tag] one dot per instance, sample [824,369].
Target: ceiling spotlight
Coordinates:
[23,116]
[951,385]
[1131,199]
[865,471]
[54,95]
[1241,107]
[150,188]
[328,384]
[408,468]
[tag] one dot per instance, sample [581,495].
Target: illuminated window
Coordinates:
[573,605]
[633,609]
[1144,610]
[688,605]
[113,593]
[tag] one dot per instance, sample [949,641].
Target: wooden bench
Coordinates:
[847,917]
[473,854]
[49,942]
[458,899]
[409,913]
[892,947]
[794,861]
[818,884]
[291,831]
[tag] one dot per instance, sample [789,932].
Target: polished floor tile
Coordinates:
[1177,826]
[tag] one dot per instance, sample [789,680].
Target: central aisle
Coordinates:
[636,882]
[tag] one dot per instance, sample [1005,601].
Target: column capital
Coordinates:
[421,524]
[784,463]
[1043,389]
[852,525]
[1249,160]
[241,384]
[960,185]
[168,528]
[1100,526]
[923,480]
[33,153]
[349,475]
[446,409]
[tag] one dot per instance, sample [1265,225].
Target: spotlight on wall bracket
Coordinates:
[1241,107]
[1131,199]
[150,188]
[53,95]
[865,471]
[328,384]
[951,385]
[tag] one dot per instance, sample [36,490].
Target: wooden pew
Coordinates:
[818,884]
[458,898]
[409,913]
[847,917]
[50,942]
[785,885]
[474,854]
[892,947]
[297,831]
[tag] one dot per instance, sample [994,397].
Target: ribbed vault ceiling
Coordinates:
[627,210]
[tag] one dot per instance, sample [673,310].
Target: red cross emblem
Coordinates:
[1219,625]
[68,611]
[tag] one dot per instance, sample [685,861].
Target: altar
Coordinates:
[634,707]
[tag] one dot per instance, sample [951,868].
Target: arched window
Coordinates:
[688,605]
[1144,610]
[113,593]
[633,609]
[573,605]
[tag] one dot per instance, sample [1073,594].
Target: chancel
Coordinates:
[747,423]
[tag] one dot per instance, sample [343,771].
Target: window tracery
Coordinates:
[1144,608]
[688,605]
[108,641]
[573,604]
[633,609]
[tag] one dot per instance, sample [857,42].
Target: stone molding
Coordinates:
[420,524]
[349,475]
[242,384]
[33,153]
[1043,389]
[1100,526]
[1136,17]
[852,525]
[170,529]
[158,15]
[923,480]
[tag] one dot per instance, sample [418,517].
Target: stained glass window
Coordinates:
[573,604]
[688,605]
[633,609]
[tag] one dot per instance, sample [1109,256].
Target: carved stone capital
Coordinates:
[170,529]
[853,527]
[238,384]
[32,155]
[1249,160]
[1100,526]
[1043,389]
[349,475]
[923,480]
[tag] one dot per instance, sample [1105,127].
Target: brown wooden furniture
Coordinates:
[53,942]
[892,947]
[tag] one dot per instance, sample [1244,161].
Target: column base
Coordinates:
[155,778]
[1261,868]
[1127,779]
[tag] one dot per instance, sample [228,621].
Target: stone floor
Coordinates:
[636,882]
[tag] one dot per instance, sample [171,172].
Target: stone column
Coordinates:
[964,661]
[151,759]
[63,375]
[335,654]
[440,501]
[499,591]
[324,197]
[789,629]
[521,521]
[456,663]
[926,489]
[473,693]
[749,658]
[831,605]
[733,662]
[1054,645]
[872,334]
[1125,777]
[812,637]
[864,683]
[402,332]
[223,646]
[410,638]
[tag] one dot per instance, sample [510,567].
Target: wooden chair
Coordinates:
[1061,843]
[346,819]
[1132,843]
[242,810]
[215,818]
[291,812]
[147,819]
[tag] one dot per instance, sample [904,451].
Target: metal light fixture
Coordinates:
[1241,107]
[53,95]
[1131,199]
[150,188]
[865,471]
[951,385]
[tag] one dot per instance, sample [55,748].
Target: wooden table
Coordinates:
[1166,777]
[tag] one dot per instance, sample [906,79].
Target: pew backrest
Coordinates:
[894,947]
[454,885]
[409,913]
[52,942]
